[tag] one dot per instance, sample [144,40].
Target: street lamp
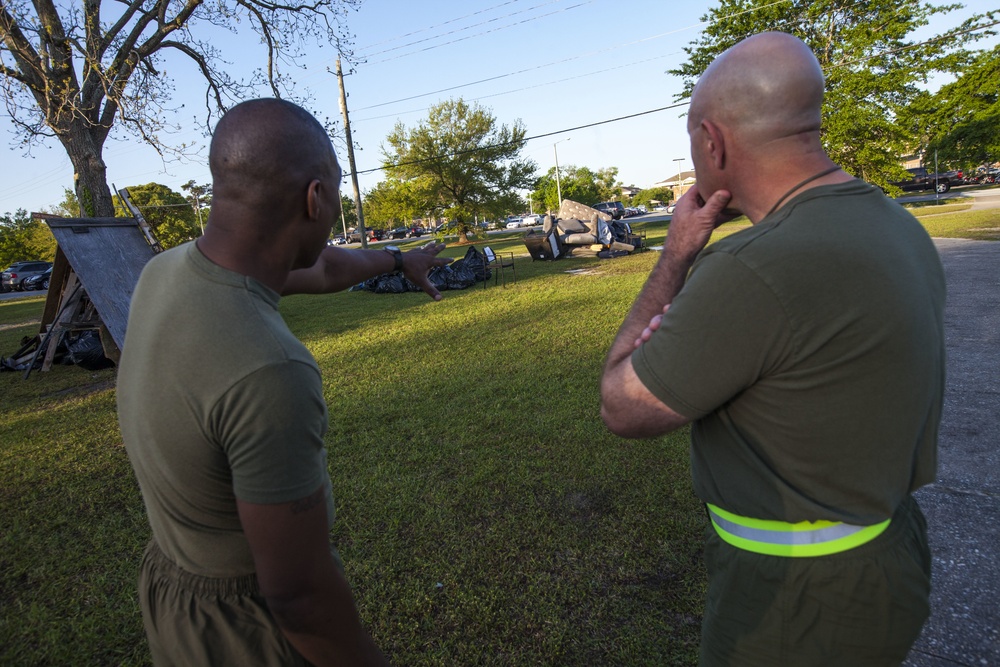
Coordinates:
[680,188]
[558,186]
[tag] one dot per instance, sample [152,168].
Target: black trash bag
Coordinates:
[389,283]
[439,277]
[462,275]
[469,270]
[86,351]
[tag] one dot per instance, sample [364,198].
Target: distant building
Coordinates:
[678,183]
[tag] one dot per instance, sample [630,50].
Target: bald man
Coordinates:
[223,415]
[807,353]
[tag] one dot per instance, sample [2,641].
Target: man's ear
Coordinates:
[716,143]
[313,199]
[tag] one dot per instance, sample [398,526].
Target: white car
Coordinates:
[531,220]
[513,223]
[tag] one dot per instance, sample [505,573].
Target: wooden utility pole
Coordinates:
[350,158]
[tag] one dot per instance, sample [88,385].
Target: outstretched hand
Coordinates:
[419,262]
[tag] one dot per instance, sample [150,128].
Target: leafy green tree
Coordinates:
[648,196]
[578,184]
[872,65]
[76,70]
[200,199]
[460,163]
[961,121]
[168,213]
[69,207]
[349,210]
[22,238]
[391,203]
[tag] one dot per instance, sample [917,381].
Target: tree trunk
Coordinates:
[90,174]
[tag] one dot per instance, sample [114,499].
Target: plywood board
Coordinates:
[107,255]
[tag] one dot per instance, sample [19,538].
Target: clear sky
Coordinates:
[594,65]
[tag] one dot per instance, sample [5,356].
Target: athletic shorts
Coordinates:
[858,608]
[194,621]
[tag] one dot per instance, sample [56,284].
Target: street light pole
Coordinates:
[680,188]
[558,186]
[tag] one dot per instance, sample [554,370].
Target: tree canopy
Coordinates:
[169,214]
[391,203]
[22,238]
[872,64]
[578,184]
[460,163]
[961,121]
[76,70]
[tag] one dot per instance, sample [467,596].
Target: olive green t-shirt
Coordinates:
[809,350]
[217,400]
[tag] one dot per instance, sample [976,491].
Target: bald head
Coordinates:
[265,152]
[767,87]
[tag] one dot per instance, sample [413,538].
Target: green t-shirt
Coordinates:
[809,350]
[217,400]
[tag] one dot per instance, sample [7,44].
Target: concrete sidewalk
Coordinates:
[963,506]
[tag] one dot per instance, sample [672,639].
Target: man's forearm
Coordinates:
[338,269]
[664,282]
[323,624]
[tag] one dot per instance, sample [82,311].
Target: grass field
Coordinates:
[485,515]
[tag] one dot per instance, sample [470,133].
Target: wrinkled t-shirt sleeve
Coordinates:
[271,426]
[724,331]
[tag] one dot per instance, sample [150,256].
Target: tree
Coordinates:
[200,199]
[961,121]
[578,184]
[391,203]
[348,209]
[23,238]
[872,66]
[69,207]
[460,163]
[648,196]
[168,213]
[76,70]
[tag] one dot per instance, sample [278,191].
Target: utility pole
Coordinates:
[350,158]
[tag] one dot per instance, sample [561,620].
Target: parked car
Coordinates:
[921,179]
[613,208]
[531,220]
[39,280]
[414,232]
[513,223]
[13,277]
[399,233]
[337,240]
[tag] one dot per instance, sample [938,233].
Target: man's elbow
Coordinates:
[616,423]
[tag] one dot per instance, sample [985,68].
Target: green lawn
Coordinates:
[485,515]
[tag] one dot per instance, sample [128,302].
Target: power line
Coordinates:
[468,27]
[524,140]
[524,88]
[479,34]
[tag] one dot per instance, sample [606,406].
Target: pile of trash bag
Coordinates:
[460,274]
[80,348]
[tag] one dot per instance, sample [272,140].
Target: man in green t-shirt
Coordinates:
[807,353]
[222,410]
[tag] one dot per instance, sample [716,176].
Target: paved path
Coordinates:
[963,506]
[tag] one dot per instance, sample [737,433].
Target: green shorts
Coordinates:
[192,620]
[860,607]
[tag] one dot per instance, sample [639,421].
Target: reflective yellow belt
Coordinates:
[800,540]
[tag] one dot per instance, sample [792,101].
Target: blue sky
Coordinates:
[553,64]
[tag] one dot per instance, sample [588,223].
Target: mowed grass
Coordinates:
[484,513]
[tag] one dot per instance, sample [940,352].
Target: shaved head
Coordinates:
[767,87]
[265,152]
